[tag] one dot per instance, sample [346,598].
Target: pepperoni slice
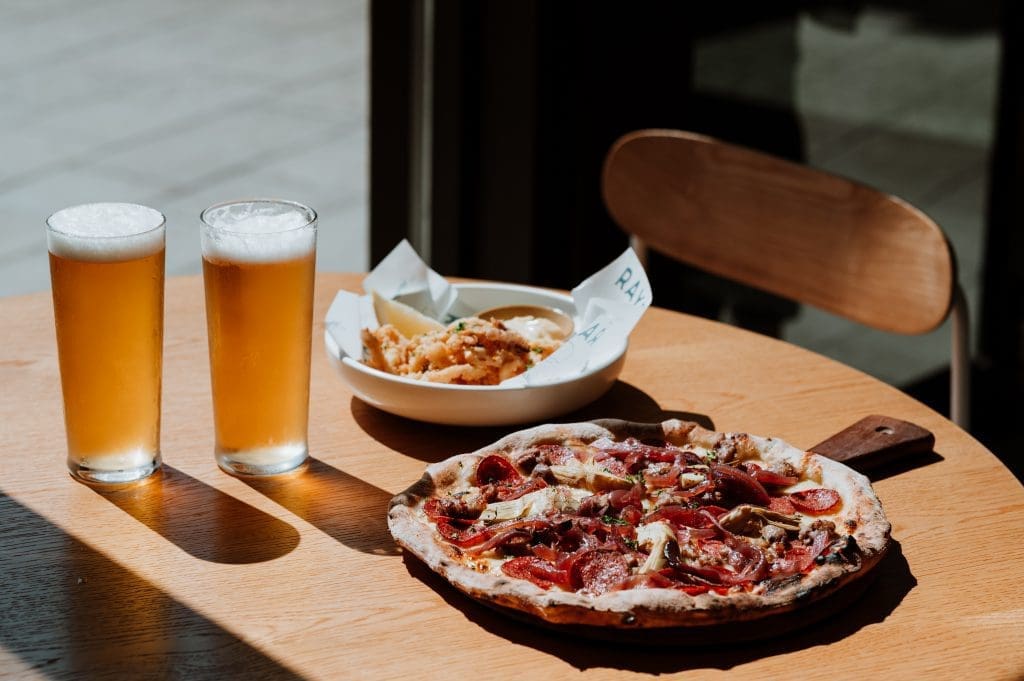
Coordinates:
[782,505]
[816,501]
[597,571]
[538,571]
[496,468]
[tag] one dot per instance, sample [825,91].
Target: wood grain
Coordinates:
[202,575]
[794,231]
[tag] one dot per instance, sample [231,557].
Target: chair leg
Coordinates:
[960,366]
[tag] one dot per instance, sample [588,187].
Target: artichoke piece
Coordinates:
[534,503]
[749,520]
[590,476]
[655,537]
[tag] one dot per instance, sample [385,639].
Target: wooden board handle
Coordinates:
[875,441]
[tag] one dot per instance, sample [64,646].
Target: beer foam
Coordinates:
[262,230]
[105,232]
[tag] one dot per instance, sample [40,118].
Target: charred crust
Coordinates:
[745,447]
[778,585]
[725,449]
[421,489]
[851,551]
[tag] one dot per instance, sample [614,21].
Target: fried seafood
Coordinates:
[470,351]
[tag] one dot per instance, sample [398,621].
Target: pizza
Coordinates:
[621,526]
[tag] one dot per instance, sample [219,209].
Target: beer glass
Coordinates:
[107,275]
[259,259]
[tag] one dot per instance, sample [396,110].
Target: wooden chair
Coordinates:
[791,230]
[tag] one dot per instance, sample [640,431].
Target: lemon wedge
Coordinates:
[408,321]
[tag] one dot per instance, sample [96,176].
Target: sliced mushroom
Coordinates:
[749,520]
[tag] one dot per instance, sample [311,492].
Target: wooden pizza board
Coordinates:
[873,442]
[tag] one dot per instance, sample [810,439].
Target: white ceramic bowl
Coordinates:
[483,405]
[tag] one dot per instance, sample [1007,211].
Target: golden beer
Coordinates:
[258,270]
[107,275]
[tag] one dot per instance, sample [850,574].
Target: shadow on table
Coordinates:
[907,463]
[431,443]
[204,521]
[71,612]
[891,582]
[340,505]
[626,401]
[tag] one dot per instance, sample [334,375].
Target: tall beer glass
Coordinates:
[107,275]
[259,259]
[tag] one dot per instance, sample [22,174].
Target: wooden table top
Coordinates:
[200,574]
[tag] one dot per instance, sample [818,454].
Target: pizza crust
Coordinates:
[861,516]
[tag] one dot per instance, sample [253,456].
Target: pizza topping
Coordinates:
[590,476]
[739,486]
[662,475]
[538,571]
[467,506]
[515,533]
[683,516]
[645,580]
[614,503]
[547,455]
[816,501]
[768,478]
[751,520]
[500,481]
[782,505]
[798,557]
[621,515]
[598,571]
[683,497]
[635,454]
[497,469]
[655,537]
[562,499]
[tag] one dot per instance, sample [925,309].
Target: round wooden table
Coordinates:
[200,574]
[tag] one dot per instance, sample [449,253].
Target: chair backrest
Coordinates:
[797,232]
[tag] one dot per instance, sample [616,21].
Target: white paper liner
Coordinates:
[609,303]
